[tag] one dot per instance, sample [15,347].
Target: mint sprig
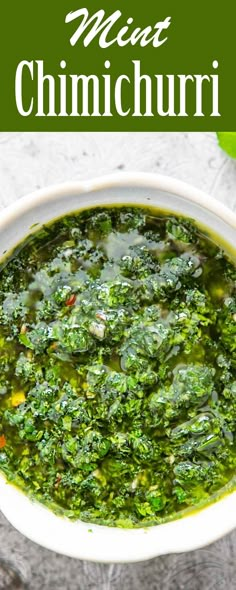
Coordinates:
[227,141]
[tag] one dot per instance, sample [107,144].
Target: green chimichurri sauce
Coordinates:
[117,358]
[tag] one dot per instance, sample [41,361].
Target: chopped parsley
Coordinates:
[117,366]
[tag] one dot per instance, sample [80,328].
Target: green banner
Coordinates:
[82,65]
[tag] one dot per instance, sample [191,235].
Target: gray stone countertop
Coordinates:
[32,160]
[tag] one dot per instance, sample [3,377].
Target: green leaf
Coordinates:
[227,142]
[23,338]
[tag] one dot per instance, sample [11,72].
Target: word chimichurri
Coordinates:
[117,366]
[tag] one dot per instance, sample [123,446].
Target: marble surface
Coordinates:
[32,160]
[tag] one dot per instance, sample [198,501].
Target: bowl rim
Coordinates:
[111,544]
[139,179]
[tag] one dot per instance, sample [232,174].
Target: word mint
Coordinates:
[101,27]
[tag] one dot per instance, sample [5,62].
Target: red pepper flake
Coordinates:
[71,301]
[101,316]
[3,441]
[54,346]
[58,481]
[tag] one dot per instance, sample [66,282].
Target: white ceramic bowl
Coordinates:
[78,539]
